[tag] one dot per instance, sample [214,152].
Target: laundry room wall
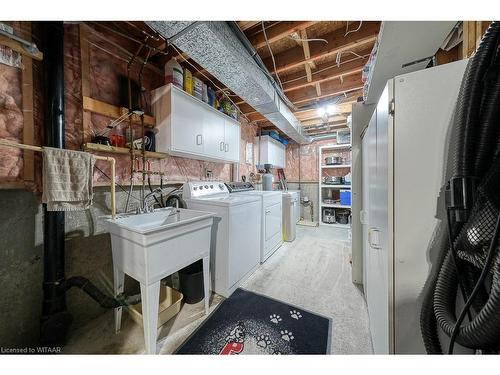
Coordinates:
[88,247]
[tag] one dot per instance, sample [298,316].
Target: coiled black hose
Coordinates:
[476,156]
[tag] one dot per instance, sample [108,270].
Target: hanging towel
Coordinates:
[67,179]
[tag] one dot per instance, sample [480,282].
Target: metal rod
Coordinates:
[112,163]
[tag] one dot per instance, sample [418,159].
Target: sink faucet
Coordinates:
[148,201]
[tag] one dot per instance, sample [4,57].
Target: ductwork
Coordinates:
[219,50]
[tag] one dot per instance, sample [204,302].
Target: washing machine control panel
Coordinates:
[200,189]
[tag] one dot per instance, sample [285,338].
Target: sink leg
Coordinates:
[206,282]
[150,296]
[118,281]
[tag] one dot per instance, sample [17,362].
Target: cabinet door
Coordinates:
[213,130]
[273,221]
[187,125]
[232,141]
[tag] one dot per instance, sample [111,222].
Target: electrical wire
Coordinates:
[329,67]
[116,183]
[308,39]
[479,284]
[347,31]
[272,55]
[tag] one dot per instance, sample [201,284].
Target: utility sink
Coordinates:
[151,246]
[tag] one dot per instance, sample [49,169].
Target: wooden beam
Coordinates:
[337,42]
[279,31]
[112,111]
[329,71]
[19,47]
[28,120]
[330,88]
[85,71]
[245,25]
[469,38]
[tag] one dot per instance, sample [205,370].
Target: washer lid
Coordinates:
[228,200]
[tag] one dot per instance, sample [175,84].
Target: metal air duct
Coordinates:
[219,50]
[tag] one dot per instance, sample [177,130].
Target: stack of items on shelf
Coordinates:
[184,79]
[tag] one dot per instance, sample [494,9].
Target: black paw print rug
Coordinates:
[249,323]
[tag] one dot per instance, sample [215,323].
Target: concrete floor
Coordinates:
[313,273]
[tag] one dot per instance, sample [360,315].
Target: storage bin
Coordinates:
[170,305]
[345,197]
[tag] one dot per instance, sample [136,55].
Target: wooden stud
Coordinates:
[27,105]
[469,38]
[85,72]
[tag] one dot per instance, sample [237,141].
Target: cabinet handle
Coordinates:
[199,139]
[222,146]
[226,147]
[373,244]
[268,212]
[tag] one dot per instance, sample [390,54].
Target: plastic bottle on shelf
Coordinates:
[188,81]
[173,73]
[211,96]
[197,88]
[205,93]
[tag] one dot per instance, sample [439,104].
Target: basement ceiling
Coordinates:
[317,63]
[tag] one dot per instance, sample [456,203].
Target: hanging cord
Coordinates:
[347,31]
[272,55]
[479,284]
[297,39]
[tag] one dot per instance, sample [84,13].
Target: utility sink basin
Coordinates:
[151,246]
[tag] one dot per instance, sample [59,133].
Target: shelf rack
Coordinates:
[321,168]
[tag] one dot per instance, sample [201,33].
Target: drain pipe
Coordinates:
[55,318]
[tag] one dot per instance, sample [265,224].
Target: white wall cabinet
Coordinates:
[190,128]
[269,151]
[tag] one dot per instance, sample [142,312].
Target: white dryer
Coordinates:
[271,214]
[235,244]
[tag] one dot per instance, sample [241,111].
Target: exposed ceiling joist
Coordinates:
[328,71]
[245,25]
[279,31]
[329,88]
[337,42]
[333,120]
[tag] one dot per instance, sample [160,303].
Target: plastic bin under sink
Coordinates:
[170,305]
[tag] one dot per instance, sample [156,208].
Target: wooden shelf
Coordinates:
[337,166]
[122,150]
[335,186]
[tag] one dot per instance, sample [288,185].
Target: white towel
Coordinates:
[67,179]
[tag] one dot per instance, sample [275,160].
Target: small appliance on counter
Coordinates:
[328,216]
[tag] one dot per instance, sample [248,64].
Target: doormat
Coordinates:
[249,323]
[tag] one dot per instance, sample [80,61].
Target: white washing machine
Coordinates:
[271,214]
[235,243]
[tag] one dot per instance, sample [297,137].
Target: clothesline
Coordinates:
[110,160]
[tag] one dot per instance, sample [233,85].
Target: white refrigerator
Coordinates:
[404,158]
